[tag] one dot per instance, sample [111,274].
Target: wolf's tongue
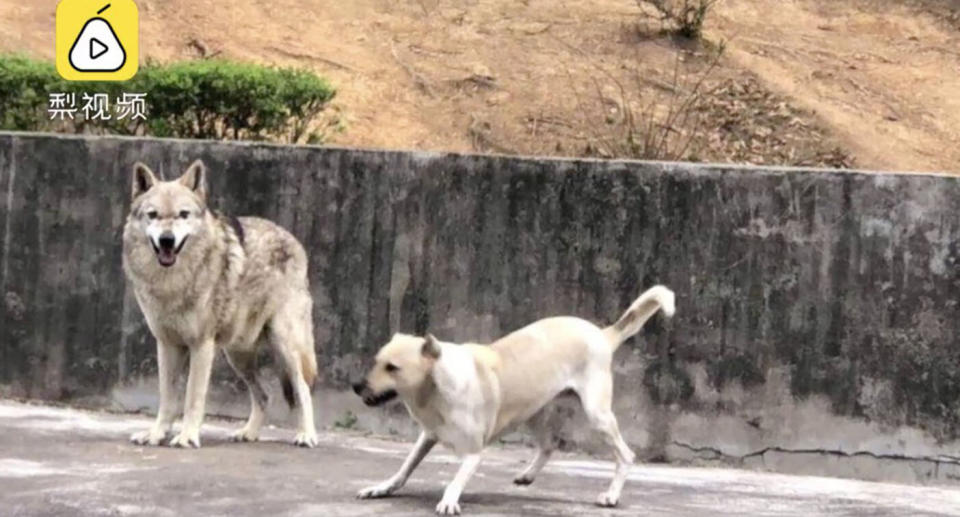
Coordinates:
[166,257]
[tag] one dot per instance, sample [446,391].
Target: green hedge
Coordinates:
[192,99]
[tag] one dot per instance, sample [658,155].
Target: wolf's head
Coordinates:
[402,367]
[168,213]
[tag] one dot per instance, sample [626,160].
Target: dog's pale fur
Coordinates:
[464,396]
[204,281]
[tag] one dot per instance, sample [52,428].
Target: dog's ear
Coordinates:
[431,347]
[143,179]
[195,179]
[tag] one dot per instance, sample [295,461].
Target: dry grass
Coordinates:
[682,17]
[699,114]
[653,124]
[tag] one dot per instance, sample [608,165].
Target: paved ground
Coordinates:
[63,462]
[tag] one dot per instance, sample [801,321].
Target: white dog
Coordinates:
[465,396]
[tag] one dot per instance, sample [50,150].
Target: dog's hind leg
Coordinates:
[596,397]
[291,335]
[543,435]
[245,364]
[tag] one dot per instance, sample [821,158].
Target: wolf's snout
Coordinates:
[167,241]
[165,248]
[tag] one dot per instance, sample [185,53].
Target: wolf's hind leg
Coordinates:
[245,364]
[291,336]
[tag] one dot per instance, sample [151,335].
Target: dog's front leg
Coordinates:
[450,503]
[424,443]
[201,362]
[169,361]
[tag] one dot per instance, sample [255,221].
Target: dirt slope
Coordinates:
[845,82]
[883,76]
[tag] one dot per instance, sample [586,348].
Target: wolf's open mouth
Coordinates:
[166,253]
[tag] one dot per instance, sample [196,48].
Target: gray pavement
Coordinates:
[65,462]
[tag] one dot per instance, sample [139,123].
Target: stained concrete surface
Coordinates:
[66,462]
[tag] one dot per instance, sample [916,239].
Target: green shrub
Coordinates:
[214,99]
[24,88]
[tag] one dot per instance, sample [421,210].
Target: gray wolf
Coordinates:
[205,281]
[465,396]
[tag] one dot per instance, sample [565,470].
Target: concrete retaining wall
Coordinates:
[816,310]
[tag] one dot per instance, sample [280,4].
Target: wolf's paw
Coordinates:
[186,440]
[373,492]
[245,435]
[148,437]
[305,439]
[608,500]
[448,508]
[523,480]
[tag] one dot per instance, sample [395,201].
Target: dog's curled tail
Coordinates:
[656,298]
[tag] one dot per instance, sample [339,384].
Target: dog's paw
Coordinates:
[148,437]
[523,480]
[608,500]
[373,492]
[305,439]
[186,440]
[245,435]
[448,508]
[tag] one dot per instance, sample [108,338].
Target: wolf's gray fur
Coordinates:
[206,281]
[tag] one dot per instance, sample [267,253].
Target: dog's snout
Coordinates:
[359,387]
[166,240]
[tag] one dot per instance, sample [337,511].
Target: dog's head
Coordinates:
[168,213]
[401,367]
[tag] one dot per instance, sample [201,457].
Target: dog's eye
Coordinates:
[392,367]
[184,214]
[152,214]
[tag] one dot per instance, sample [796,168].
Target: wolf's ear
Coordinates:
[431,347]
[195,179]
[143,179]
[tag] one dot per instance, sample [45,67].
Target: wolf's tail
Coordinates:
[653,299]
[308,365]
[308,368]
[301,341]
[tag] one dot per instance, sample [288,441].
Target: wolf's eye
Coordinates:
[184,214]
[152,214]
[391,367]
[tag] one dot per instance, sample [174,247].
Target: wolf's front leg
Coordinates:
[450,503]
[424,443]
[201,362]
[169,362]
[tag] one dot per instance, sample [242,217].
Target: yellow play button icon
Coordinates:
[97,40]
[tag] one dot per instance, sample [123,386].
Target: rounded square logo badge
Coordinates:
[97,40]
